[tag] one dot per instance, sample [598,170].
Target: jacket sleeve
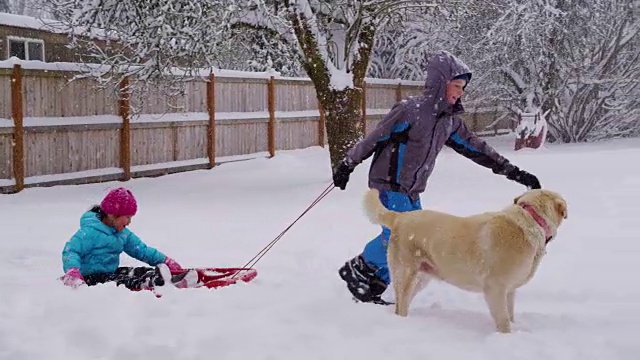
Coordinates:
[73,251]
[137,249]
[468,144]
[390,123]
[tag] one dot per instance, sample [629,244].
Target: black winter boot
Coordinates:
[362,281]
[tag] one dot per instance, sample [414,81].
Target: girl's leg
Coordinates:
[96,279]
[138,278]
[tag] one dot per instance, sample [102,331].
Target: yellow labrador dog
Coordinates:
[494,253]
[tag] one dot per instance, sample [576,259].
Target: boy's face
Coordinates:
[454,90]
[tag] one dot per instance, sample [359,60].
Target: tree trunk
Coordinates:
[342,108]
[343,120]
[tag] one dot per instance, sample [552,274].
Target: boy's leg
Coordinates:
[375,251]
[367,275]
[375,254]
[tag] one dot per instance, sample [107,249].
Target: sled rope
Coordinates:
[251,263]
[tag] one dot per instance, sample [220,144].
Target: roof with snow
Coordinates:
[48,25]
[29,22]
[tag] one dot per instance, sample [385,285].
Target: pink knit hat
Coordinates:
[119,202]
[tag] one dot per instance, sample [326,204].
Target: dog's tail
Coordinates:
[376,212]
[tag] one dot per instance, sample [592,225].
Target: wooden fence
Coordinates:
[56,131]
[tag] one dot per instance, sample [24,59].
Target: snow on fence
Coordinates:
[55,131]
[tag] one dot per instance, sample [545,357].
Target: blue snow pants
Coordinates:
[375,252]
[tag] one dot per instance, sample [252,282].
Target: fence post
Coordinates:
[321,125]
[272,117]
[399,92]
[211,129]
[474,127]
[364,108]
[17,112]
[125,133]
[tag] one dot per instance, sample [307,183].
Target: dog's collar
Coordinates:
[539,219]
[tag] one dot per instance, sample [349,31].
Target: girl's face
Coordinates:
[118,222]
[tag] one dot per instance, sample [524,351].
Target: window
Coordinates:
[26,49]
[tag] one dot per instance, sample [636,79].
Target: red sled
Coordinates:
[218,277]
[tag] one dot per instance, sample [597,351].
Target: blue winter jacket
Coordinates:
[95,248]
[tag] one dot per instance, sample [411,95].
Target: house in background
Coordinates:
[29,38]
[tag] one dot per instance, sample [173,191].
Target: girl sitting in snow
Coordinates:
[92,255]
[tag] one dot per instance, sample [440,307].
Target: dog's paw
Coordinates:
[503,327]
[519,329]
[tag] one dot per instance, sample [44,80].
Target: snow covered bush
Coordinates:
[532,129]
[577,61]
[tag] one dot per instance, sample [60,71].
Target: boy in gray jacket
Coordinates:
[404,146]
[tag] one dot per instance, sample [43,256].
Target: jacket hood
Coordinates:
[90,220]
[441,68]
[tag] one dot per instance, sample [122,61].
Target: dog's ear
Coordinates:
[561,208]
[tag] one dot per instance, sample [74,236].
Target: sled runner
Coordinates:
[218,277]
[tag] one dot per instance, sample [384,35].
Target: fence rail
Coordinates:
[57,131]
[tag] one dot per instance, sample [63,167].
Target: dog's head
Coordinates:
[549,204]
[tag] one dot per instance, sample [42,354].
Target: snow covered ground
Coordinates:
[584,302]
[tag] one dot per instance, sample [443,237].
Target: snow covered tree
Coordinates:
[577,61]
[334,40]
[402,48]
[253,49]
[35,8]
[158,45]
[148,39]
[4,6]
[458,27]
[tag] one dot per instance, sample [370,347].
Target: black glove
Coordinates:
[341,173]
[524,178]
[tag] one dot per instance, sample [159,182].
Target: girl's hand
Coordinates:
[72,278]
[172,264]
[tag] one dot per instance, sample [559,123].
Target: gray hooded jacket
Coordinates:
[407,141]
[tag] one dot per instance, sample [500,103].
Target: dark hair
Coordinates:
[96,209]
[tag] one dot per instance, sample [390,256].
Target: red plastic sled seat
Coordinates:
[218,277]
